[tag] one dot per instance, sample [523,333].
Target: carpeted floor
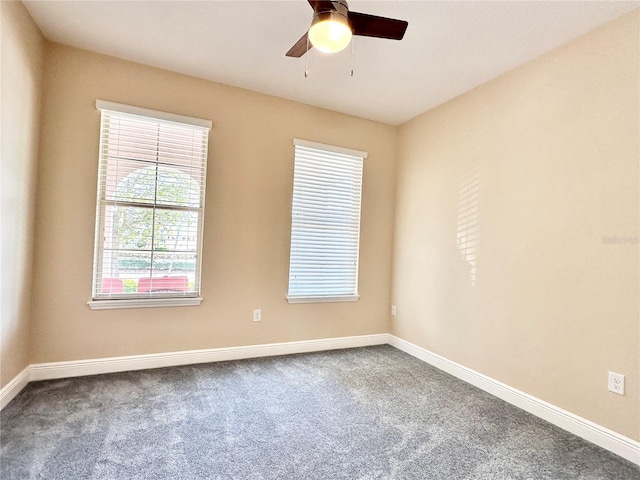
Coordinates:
[368,413]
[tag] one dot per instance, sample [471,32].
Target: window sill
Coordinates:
[345,298]
[144,303]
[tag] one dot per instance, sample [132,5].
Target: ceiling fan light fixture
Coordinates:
[330,32]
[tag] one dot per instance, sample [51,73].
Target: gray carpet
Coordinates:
[368,413]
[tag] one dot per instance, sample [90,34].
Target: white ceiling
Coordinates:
[449,47]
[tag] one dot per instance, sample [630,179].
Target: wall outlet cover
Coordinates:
[615,383]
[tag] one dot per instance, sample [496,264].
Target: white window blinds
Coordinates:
[325,223]
[150,206]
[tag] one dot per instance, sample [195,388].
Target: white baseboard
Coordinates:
[594,433]
[76,368]
[48,371]
[14,387]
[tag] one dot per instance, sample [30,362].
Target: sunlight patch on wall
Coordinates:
[468,231]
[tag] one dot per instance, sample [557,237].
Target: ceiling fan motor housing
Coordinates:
[340,7]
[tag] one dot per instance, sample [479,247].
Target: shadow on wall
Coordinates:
[468,231]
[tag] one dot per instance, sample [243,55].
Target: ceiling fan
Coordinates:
[333,25]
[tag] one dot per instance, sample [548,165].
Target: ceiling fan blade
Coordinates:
[373,26]
[321,5]
[300,48]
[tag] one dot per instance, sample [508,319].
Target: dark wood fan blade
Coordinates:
[373,26]
[300,48]
[321,5]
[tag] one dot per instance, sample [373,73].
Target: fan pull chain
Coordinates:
[306,65]
[353,41]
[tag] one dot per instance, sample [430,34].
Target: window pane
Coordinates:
[128,227]
[128,267]
[175,230]
[175,187]
[174,264]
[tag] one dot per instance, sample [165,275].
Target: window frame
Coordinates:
[152,299]
[339,154]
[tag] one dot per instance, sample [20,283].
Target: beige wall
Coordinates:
[21,63]
[247,226]
[554,148]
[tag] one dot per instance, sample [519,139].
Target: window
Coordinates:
[150,206]
[325,223]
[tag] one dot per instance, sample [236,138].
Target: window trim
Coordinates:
[157,114]
[319,298]
[118,303]
[158,300]
[329,148]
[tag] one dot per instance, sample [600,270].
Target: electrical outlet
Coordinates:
[257,315]
[616,383]
[394,310]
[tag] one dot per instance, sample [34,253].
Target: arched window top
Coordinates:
[159,184]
